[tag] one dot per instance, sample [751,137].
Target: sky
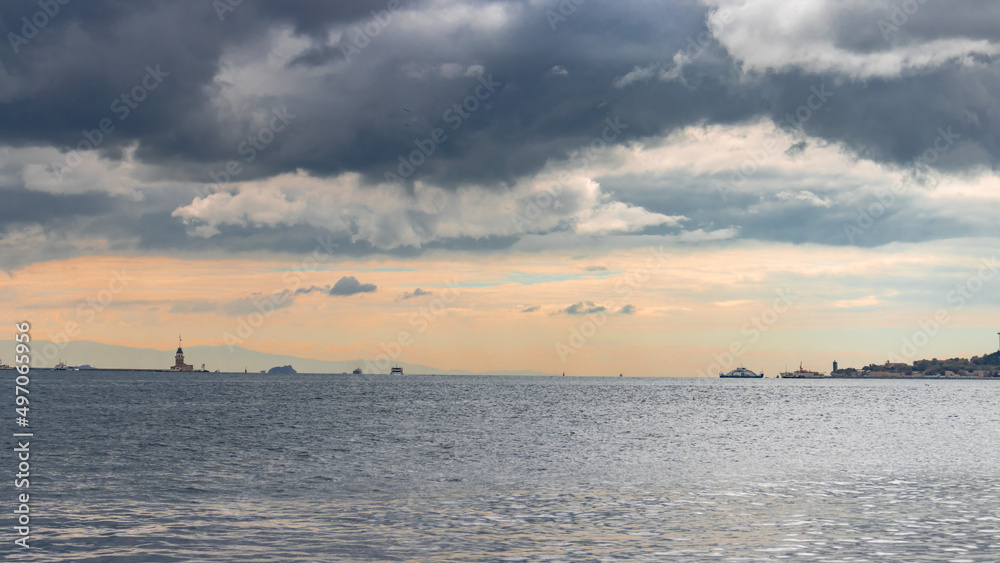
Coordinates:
[667,188]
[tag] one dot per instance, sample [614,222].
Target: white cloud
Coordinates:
[637,74]
[565,199]
[618,217]
[254,204]
[806,196]
[388,216]
[803,34]
[75,172]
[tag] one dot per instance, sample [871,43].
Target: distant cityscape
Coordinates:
[978,367]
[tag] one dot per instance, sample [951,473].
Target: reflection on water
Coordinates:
[320,468]
[860,520]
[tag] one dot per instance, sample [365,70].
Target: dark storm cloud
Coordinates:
[395,92]
[99,51]
[905,117]
[40,226]
[92,53]
[21,206]
[349,285]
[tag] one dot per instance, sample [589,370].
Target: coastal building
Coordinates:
[179,364]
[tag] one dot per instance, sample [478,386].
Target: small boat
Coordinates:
[396,371]
[4,366]
[741,373]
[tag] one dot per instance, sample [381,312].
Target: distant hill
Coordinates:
[220,358]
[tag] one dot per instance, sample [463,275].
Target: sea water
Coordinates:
[132,466]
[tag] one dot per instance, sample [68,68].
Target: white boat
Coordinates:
[801,374]
[742,373]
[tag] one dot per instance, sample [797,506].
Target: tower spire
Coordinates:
[179,364]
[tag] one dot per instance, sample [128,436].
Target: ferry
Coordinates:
[396,371]
[801,374]
[742,373]
[62,366]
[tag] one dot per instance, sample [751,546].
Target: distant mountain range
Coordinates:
[97,355]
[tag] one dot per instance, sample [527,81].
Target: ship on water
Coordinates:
[4,366]
[741,373]
[357,371]
[801,373]
[396,371]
